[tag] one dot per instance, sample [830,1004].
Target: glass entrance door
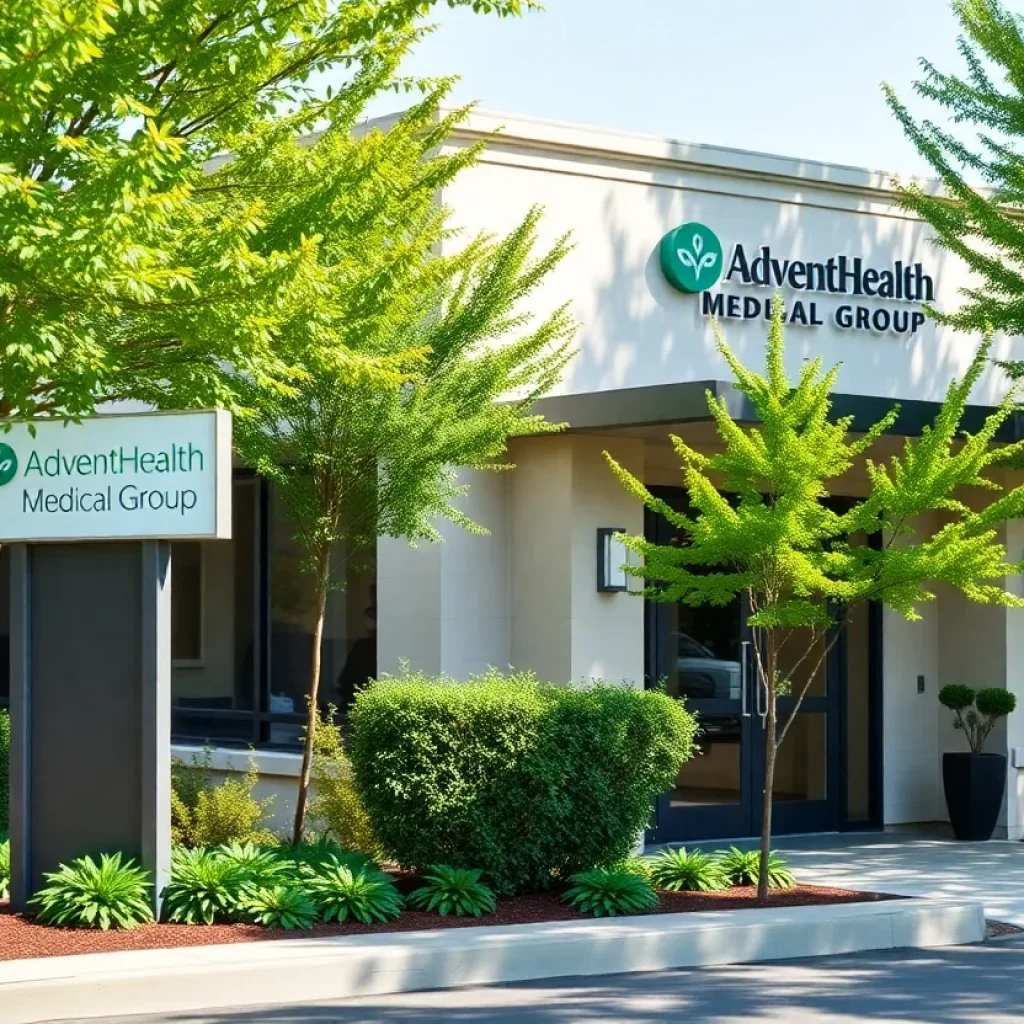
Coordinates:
[703,658]
[706,657]
[806,790]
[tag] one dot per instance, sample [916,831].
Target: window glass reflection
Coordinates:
[704,653]
[349,649]
[213,603]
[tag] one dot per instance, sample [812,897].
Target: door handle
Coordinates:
[763,714]
[744,679]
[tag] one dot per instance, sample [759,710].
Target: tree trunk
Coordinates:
[770,749]
[323,570]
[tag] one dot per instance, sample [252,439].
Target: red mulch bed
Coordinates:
[20,937]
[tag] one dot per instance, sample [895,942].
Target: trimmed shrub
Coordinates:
[519,779]
[606,892]
[205,813]
[995,702]
[5,771]
[334,807]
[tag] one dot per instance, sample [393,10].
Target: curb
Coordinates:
[309,970]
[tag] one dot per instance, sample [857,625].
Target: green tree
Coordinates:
[423,361]
[759,524]
[135,260]
[981,225]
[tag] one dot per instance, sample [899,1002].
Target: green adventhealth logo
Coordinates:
[8,464]
[691,257]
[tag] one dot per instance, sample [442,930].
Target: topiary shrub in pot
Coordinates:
[974,781]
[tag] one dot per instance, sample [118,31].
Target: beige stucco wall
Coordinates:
[526,595]
[618,195]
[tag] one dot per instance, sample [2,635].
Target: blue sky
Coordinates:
[796,77]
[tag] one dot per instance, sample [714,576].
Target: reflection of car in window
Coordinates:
[702,675]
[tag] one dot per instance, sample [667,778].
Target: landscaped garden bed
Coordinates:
[494,802]
[21,937]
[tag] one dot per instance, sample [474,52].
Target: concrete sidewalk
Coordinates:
[914,865]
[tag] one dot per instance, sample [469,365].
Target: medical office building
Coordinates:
[853,270]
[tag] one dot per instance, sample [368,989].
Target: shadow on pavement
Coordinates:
[973,983]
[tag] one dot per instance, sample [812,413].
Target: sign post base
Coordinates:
[90,707]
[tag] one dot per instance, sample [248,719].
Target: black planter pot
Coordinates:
[974,785]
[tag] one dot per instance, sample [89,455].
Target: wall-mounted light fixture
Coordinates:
[611,557]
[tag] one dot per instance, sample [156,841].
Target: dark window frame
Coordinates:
[254,727]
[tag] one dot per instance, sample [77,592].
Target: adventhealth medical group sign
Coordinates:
[692,261]
[149,476]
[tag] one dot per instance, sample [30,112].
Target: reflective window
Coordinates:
[348,652]
[712,775]
[242,614]
[242,628]
[801,765]
[213,605]
[706,645]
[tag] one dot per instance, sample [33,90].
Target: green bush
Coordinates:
[5,868]
[457,891]
[517,778]
[334,807]
[743,867]
[205,813]
[322,853]
[634,865]
[84,894]
[5,771]
[680,871]
[605,892]
[249,882]
[956,696]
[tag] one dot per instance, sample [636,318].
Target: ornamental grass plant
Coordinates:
[448,890]
[363,893]
[109,893]
[607,892]
[205,887]
[743,867]
[680,871]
